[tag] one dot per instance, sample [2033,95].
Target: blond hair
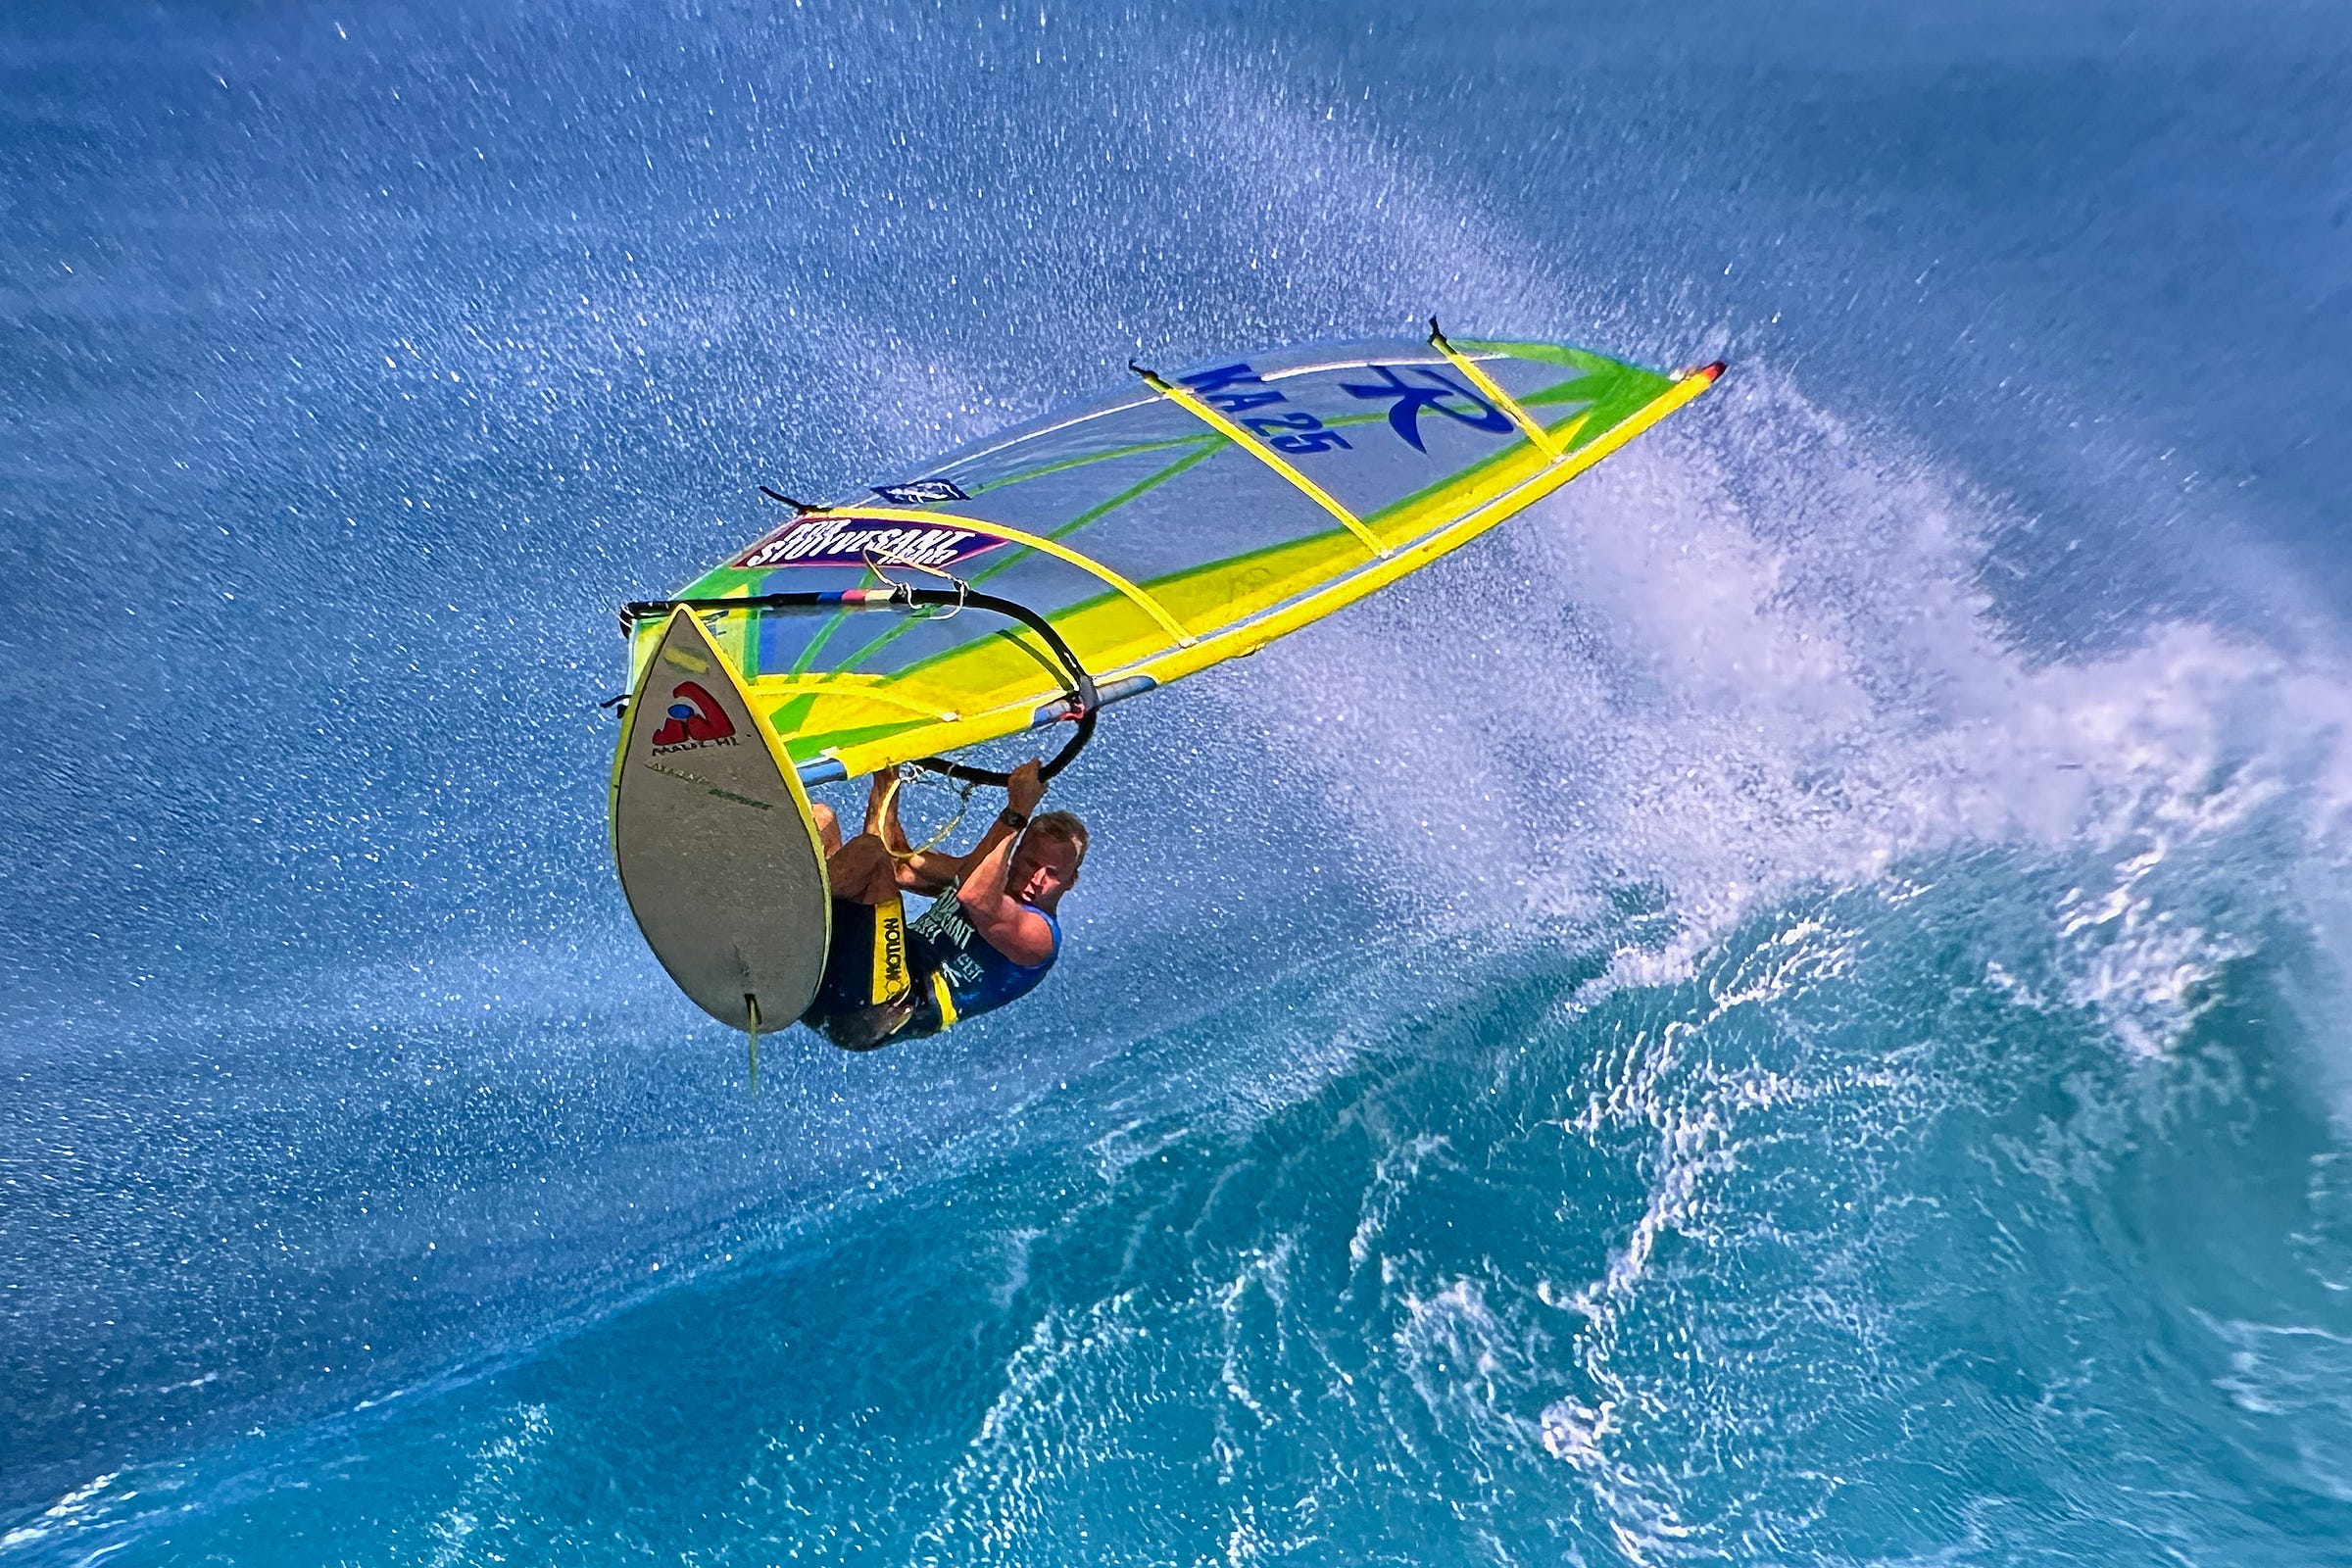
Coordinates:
[1062,825]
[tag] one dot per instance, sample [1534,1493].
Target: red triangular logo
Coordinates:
[694,715]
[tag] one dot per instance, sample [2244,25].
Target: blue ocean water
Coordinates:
[1785,1007]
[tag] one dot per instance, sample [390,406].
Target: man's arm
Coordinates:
[933,871]
[1010,927]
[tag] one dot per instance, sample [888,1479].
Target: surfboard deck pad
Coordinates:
[719,854]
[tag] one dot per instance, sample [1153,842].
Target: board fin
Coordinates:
[750,1007]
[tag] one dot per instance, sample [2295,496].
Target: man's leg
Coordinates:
[867,1028]
[861,870]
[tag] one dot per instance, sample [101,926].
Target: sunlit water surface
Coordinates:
[1782,1008]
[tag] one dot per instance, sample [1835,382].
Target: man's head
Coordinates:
[1046,864]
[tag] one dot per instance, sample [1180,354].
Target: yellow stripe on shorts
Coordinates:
[890,977]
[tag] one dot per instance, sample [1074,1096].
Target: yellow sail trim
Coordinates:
[855,688]
[1031,541]
[1545,442]
[1269,594]
[1190,401]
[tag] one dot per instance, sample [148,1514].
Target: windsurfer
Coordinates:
[987,940]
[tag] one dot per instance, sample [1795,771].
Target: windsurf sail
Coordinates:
[1188,520]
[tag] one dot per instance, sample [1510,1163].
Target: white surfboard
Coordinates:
[718,854]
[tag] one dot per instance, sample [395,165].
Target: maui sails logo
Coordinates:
[852,541]
[694,721]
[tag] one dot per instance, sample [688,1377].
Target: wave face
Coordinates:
[1818,1041]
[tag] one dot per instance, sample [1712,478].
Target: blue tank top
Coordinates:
[979,978]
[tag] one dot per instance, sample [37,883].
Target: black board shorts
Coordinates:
[845,1010]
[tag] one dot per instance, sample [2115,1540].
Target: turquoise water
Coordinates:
[1815,1042]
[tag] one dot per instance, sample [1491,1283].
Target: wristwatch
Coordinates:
[1016,821]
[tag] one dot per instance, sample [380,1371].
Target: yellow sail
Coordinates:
[1188,521]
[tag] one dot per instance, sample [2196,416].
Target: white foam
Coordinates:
[1742,659]
[2289,1373]
[486,1506]
[66,1511]
[1746,657]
